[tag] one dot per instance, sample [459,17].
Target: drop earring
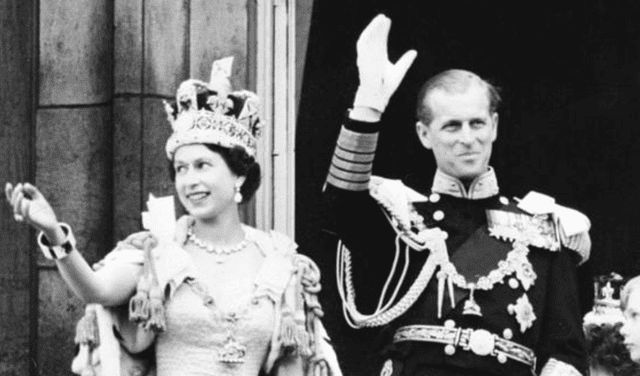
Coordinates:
[237,197]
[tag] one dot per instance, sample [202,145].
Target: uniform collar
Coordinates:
[485,185]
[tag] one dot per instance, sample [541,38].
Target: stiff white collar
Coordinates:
[483,186]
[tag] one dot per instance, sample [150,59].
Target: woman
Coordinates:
[222,297]
[630,304]
[606,351]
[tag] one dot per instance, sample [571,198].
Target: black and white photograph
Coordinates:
[319,188]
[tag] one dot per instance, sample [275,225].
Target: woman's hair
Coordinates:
[240,163]
[606,349]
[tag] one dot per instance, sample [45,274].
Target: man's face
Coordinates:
[462,131]
[631,328]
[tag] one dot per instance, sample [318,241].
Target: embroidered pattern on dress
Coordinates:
[232,351]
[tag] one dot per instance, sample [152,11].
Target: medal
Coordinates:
[523,311]
[470,306]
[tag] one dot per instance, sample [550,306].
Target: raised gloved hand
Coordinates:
[379,78]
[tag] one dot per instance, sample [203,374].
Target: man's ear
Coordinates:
[494,119]
[424,134]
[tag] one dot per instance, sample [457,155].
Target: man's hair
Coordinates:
[627,289]
[453,81]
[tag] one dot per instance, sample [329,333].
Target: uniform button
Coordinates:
[449,324]
[449,350]
[438,215]
[504,200]
[507,334]
[434,197]
[513,283]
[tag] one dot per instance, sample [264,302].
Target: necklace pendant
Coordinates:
[471,307]
[232,352]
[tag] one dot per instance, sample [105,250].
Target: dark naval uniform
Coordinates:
[479,286]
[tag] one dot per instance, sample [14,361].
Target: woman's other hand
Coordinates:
[30,206]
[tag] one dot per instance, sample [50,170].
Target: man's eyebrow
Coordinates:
[452,122]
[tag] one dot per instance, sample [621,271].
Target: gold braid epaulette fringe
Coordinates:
[395,200]
[367,321]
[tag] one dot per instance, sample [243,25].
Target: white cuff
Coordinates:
[57,252]
[370,98]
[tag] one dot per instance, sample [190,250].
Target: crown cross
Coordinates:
[607,291]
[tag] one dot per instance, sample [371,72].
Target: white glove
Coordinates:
[379,78]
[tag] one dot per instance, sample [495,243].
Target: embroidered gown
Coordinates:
[198,334]
[274,324]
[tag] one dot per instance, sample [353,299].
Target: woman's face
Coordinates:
[631,328]
[204,182]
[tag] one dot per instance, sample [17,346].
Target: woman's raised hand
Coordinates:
[29,205]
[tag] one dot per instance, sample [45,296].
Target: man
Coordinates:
[630,305]
[479,284]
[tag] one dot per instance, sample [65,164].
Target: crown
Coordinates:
[210,113]
[606,300]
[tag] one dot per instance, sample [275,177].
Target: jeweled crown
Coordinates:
[606,300]
[210,113]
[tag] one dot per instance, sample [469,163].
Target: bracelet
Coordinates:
[57,252]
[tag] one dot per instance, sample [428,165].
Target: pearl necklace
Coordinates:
[221,253]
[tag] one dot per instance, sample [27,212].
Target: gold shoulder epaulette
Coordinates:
[396,200]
